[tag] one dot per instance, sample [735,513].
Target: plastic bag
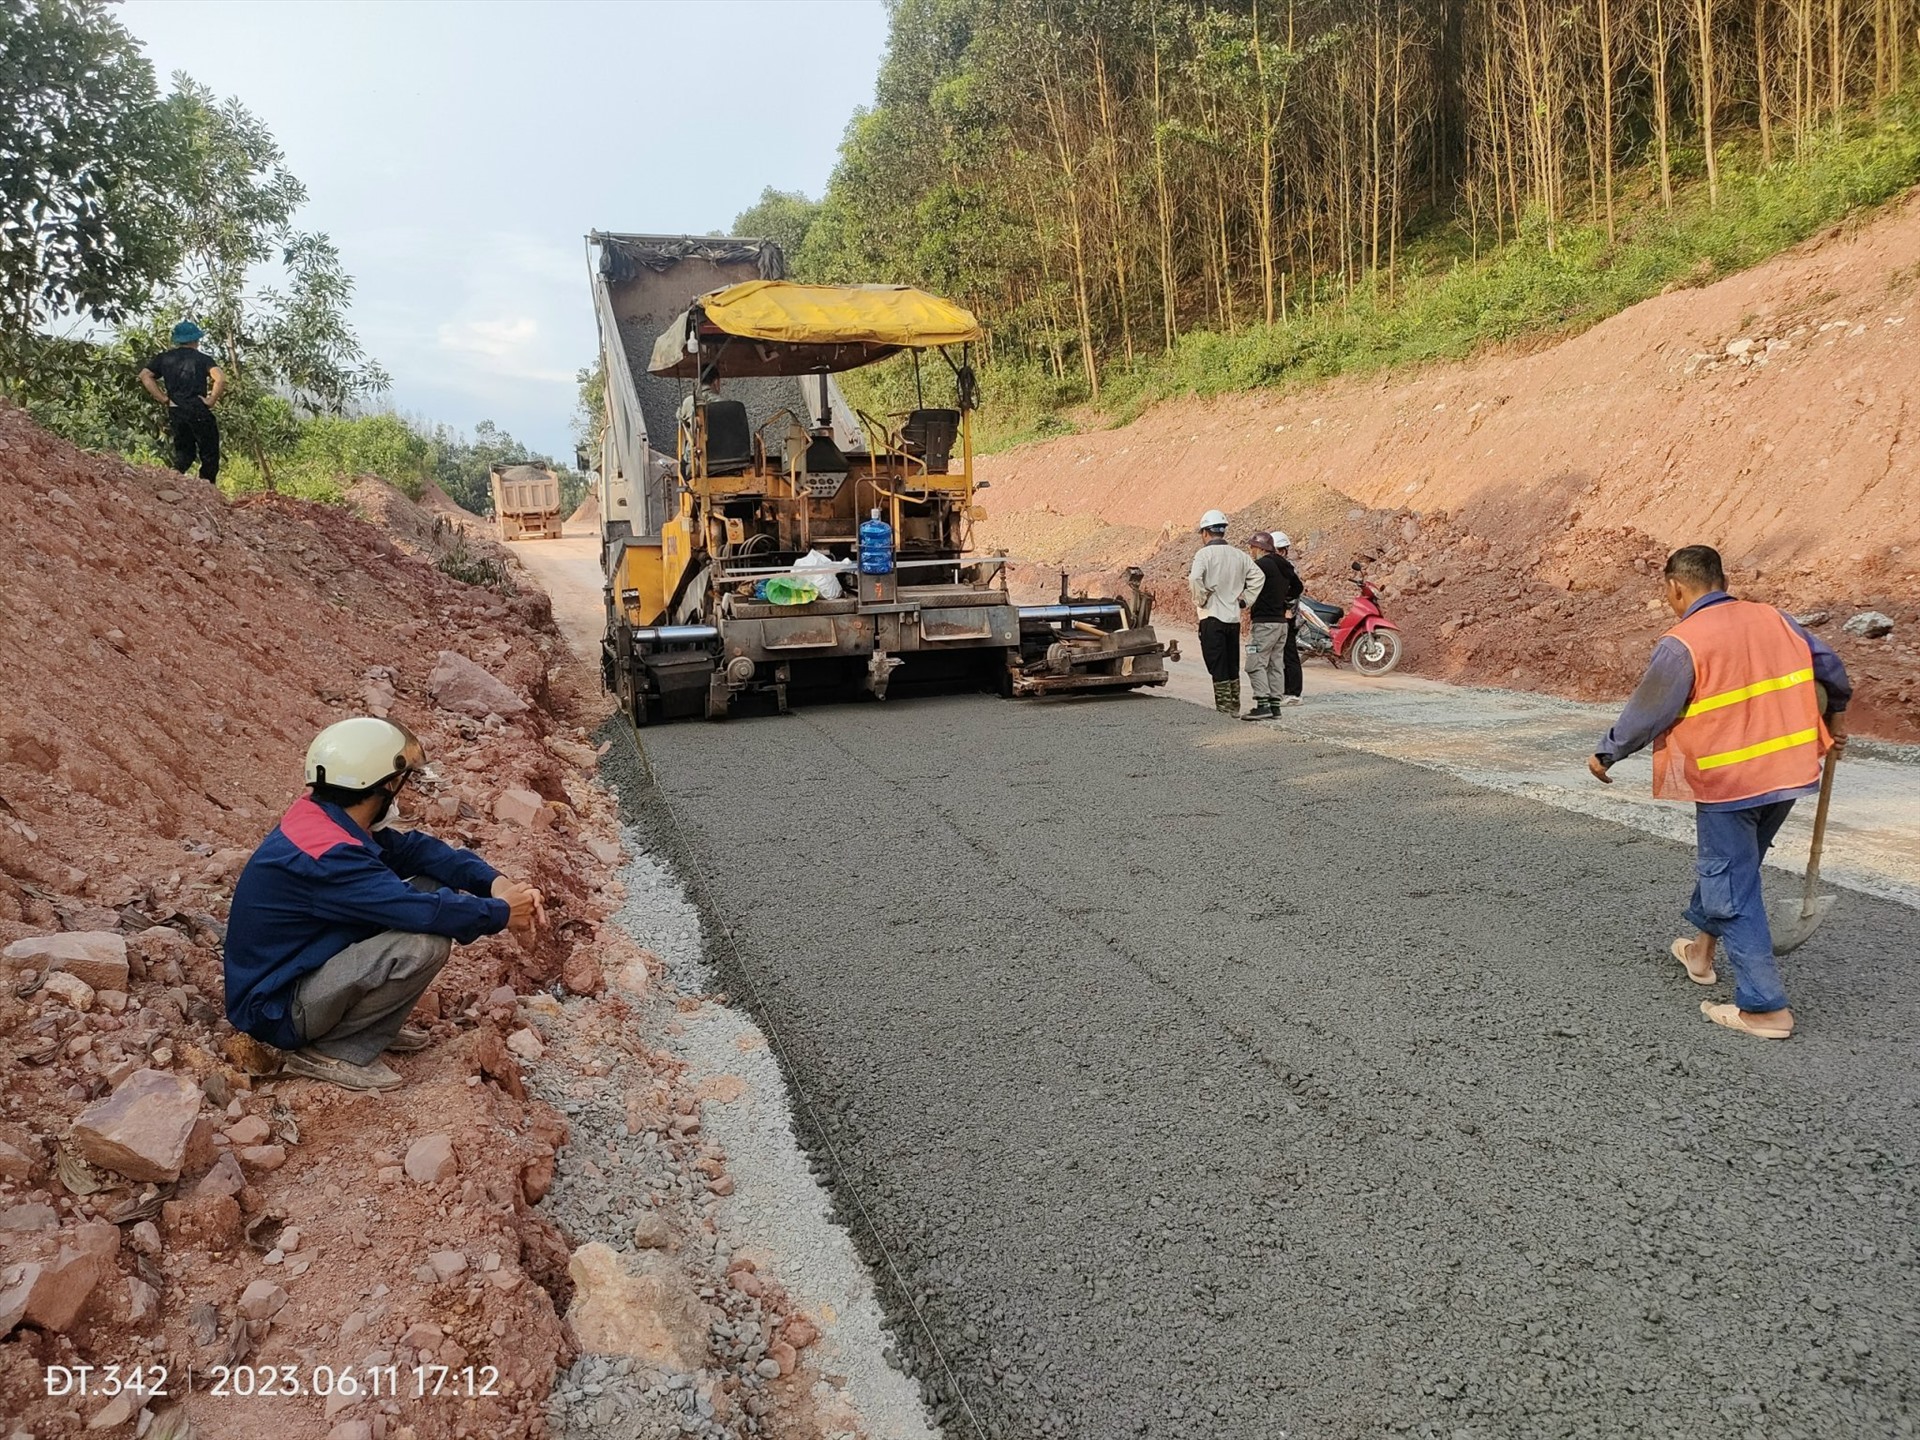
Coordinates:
[828,583]
[791,590]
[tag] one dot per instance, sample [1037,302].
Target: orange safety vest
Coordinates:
[1752,723]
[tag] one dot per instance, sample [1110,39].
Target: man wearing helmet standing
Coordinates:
[1273,648]
[1223,581]
[339,924]
[189,384]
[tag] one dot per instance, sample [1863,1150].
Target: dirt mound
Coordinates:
[1509,498]
[587,516]
[168,657]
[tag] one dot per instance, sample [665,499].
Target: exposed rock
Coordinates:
[144,1237]
[98,957]
[525,1042]
[1869,625]
[522,807]
[142,1299]
[248,1130]
[28,1218]
[141,1129]
[580,972]
[60,1288]
[641,1306]
[1813,619]
[225,1178]
[116,1412]
[459,685]
[536,1178]
[263,1157]
[15,1163]
[69,990]
[430,1160]
[447,1264]
[262,1300]
[607,852]
[651,1232]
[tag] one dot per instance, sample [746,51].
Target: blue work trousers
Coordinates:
[1726,897]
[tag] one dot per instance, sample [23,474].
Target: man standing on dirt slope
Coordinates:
[193,386]
[1223,581]
[339,924]
[1273,650]
[1731,703]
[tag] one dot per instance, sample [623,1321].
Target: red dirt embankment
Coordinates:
[167,658]
[1519,504]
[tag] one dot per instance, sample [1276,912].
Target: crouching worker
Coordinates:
[339,925]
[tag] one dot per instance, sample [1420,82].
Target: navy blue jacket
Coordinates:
[320,883]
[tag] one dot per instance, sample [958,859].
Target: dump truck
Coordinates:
[737,486]
[526,502]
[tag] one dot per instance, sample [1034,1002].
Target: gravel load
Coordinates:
[1199,1086]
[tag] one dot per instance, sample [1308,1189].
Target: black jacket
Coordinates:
[1277,596]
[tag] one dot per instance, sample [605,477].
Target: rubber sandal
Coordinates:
[1731,1017]
[1679,950]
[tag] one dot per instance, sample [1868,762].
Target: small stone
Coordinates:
[99,957]
[29,1218]
[142,1299]
[225,1178]
[114,1002]
[525,1042]
[290,1239]
[721,1185]
[423,1335]
[248,1130]
[1737,348]
[522,807]
[390,1174]
[651,1232]
[607,852]
[144,1237]
[117,1411]
[642,1306]
[140,1130]
[262,1300]
[353,1325]
[447,1264]
[430,1160]
[784,1355]
[264,1157]
[352,1430]
[799,1332]
[768,1369]
[1869,625]
[15,1163]
[69,990]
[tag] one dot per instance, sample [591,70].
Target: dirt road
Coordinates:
[1200,1084]
[569,569]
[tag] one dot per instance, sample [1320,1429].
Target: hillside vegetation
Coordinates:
[1171,196]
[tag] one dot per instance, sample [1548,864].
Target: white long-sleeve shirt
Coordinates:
[1223,579]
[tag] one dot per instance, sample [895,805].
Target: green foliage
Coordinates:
[88,157]
[1446,306]
[783,216]
[590,414]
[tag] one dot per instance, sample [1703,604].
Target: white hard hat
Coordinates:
[1281,540]
[358,754]
[1212,520]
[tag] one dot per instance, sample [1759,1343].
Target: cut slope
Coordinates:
[1766,414]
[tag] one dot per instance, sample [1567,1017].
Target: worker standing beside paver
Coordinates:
[1731,703]
[1273,647]
[1223,582]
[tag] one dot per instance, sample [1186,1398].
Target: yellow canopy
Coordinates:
[838,314]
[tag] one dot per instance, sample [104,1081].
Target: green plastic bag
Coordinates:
[791,590]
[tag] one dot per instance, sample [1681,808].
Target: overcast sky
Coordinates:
[458,153]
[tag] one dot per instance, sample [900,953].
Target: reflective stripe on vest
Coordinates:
[1755,726]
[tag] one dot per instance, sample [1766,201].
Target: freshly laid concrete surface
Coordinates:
[1537,746]
[1201,1085]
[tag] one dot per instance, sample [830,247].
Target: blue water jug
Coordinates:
[876,546]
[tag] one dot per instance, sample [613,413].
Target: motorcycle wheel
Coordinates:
[1376,652]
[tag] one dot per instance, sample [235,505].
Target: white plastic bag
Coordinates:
[829,583]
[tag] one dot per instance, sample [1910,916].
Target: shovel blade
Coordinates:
[1794,921]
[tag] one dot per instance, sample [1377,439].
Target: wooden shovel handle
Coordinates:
[1819,830]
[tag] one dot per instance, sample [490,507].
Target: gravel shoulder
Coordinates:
[1176,1126]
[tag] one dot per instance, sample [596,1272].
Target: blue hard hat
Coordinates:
[186,332]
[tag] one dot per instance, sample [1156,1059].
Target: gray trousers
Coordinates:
[353,1006]
[1266,658]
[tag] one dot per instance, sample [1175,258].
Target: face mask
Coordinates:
[388,813]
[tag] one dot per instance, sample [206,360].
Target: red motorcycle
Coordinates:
[1360,633]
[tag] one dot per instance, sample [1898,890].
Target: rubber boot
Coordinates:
[1226,697]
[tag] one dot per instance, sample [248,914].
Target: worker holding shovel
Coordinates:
[1731,703]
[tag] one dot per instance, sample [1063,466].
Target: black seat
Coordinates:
[929,435]
[729,438]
